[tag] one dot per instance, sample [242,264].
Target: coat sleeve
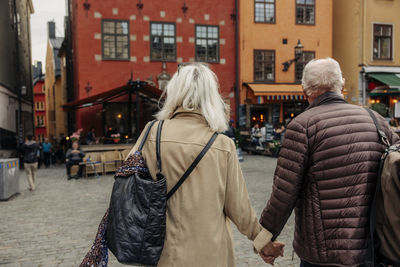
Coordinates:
[237,203]
[288,179]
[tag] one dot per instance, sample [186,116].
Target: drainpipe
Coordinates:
[237,62]
[17,80]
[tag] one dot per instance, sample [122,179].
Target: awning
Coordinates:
[390,79]
[384,91]
[277,91]
[143,88]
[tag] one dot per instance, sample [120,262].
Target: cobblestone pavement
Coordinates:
[55,225]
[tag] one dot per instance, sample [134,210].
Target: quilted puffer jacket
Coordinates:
[327,170]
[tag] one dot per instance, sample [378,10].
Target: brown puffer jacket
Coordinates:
[327,170]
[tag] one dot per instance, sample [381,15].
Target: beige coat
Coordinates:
[198,226]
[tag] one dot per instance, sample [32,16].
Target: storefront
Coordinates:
[273,103]
[124,110]
[383,93]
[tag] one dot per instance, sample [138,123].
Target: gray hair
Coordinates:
[322,75]
[195,87]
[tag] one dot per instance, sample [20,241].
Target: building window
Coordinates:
[264,65]
[207,43]
[305,57]
[115,39]
[163,41]
[43,89]
[39,121]
[305,11]
[264,11]
[39,106]
[383,35]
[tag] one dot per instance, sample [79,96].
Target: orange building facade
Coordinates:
[270,65]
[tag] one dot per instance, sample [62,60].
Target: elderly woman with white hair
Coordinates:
[199,213]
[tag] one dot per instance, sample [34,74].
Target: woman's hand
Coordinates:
[272,251]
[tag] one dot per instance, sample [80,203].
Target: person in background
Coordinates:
[91,136]
[62,147]
[74,156]
[107,136]
[231,131]
[256,136]
[279,132]
[46,146]
[30,151]
[40,154]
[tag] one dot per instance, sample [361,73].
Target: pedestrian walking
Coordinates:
[30,151]
[327,170]
[198,215]
[46,147]
[73,157]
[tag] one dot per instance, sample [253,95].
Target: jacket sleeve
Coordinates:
[288,179]
[68,153]
[237,203]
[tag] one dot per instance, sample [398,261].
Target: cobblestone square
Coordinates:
[56,224]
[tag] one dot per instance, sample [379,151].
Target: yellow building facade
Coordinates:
[56,118]
[366,42]
[270,68]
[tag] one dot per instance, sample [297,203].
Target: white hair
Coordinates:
[322,75]
[195,87]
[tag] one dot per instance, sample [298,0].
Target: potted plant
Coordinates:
[116,137]
[74,137]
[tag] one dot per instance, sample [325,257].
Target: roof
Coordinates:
[56,42]
[56,45]
[38,79]
[142,87]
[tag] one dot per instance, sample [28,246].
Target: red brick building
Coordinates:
[39,99]
[116,38]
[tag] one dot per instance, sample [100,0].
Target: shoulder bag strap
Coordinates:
[146,135]
[194,164]
[158,147]
[374,206]
[381,133]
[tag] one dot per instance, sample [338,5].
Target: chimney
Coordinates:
[51,29]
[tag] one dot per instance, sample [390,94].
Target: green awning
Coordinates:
[390,79]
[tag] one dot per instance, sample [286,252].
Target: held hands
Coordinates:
[272,251]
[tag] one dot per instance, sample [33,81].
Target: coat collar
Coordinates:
[180,112]
[328,97]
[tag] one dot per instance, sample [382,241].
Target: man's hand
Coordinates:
[272,251]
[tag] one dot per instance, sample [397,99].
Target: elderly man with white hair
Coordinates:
[326,171]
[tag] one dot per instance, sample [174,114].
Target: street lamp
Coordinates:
[23,90]
[298,51]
